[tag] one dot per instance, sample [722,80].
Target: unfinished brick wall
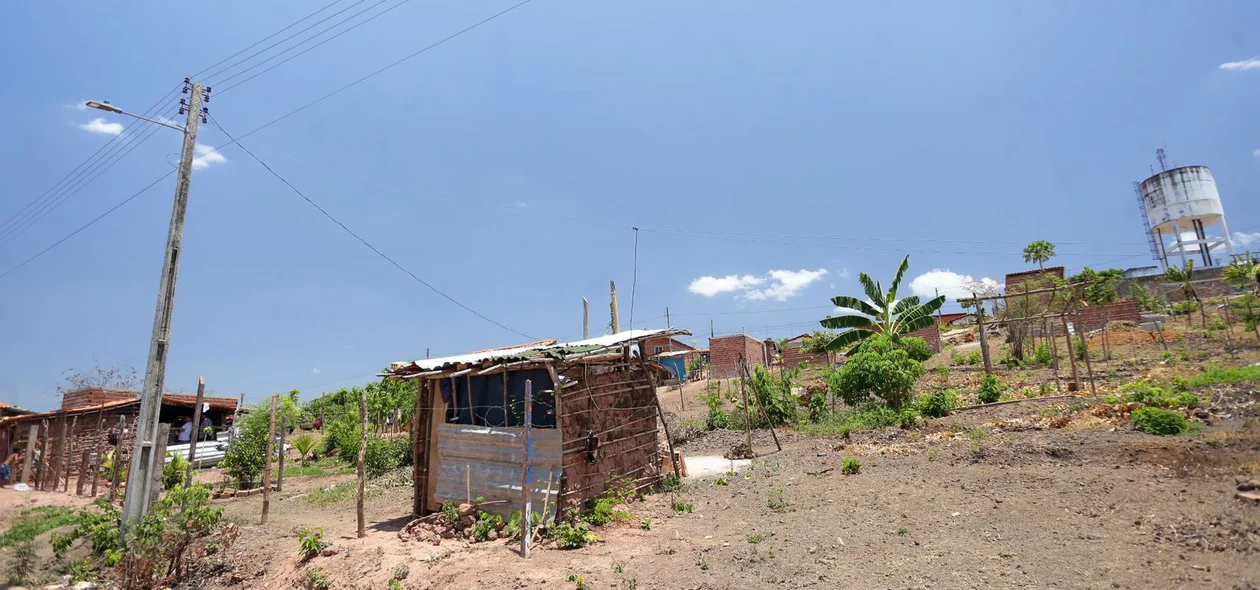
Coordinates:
[650,344]
[1094,317]
[724,353]
[94,396]
[931,335]
[793,355]
[81,434]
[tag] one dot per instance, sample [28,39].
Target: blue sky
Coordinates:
[776,148]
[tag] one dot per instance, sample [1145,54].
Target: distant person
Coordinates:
[207,428]
[185,431]
[9,468]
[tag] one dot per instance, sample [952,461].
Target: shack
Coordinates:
[594,422]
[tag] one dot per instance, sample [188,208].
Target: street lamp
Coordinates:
[146,460]
[109,108]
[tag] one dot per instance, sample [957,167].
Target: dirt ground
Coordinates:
[994,497]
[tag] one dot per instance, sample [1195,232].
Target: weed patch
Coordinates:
[35,522]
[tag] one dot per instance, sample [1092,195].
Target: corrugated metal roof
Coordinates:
[557,351]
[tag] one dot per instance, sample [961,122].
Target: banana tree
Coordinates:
[1188,292]
[879,313]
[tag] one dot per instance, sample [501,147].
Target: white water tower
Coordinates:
[1184,201]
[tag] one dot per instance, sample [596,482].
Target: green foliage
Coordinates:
[680,506]
[1217,375]
[243,459]
[173,472]
[851,466]
[450,513]
[486,523]
[878,313]
[817,404]
[578,579]
[867,416]
[989,391]
[1039,252]
[572,533]
[774,394]
[882,368]
[909,417]
[311,542]
[22,562]
[938,403]
[916,347]
[777,502]
[717,418]
[1043,356]
[177,530]
[304,443]
[316,579]
[394,584]
[645,524]
[603,510]
[345,436]
[1145,300]
[755,539]
[1100,286]
[1146,394]
[35,522]
[1160,421]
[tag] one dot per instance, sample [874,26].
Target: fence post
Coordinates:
[196,429]
[526,485]
[363,441]
[271,438]
[116,462]
[984,339]
[31,437]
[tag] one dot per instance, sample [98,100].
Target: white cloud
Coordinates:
[786,283]
[206,157]
[711,286]
[950,284]
[1245,239]
[99,125]
[778,284]
[843,273]
[1242,66]
[1256,154]
[315,371]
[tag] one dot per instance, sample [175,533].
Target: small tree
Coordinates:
[1185,276]
[303,443]
[1245,274]
[1040,252]
[881,367]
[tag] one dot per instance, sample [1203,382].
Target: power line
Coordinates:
[269,47]
[264,39]
[360,238]
[304,51]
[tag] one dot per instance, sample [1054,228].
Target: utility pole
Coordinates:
[586,319]
[669,326]
[616,321]
[140,480]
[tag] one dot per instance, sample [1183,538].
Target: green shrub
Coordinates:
[975,358]
[851,466]
[775,396]
[909,417]
[311,542]
[601,511]
[1043,356]
[572,533]
[989,391]
[304,443]
[1146,394]
[680,506]
[486,523]
[938,403]
[881,368]
[173,472]
[1215,375]
[1160,421]
[717,418]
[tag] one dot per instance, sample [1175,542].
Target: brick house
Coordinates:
[793,355]
[724,353]
[656,346]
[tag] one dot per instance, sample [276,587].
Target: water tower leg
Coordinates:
[1181,248]
[1229,243]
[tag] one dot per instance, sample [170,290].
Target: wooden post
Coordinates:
[1047,333]
[83,469]
[1229,330]
[616,321]
[116,464]
[743,394]
[363,439]
[31,437]
[526,487]
[196,428]
[1076,383]
[284,431]
[506,417]
[69,455]
[1159,329]
[1089,367]
[96,470]
[984,339]
[762,409]
[271,441]
[419,445]
[41,472]
[472,413]
[159,461]
[61,453]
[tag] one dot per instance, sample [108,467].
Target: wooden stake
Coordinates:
[586,319]
[762,409]
[83,467]
[61,454]
[363,441]
[1071,355]
[41,472]
[116,464]
[69,460]
[96,471]
[468,483]
[271,441]
[547,497]
[419,460]
[1089,367]
[527,529]
[984,339]
[159,461]
[27,464]
[196,428]
[743,394]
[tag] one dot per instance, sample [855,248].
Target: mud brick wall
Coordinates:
[615,412]
[1094,317]
[931,335]
[724,353]
[793,357]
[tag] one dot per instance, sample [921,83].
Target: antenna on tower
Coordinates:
[1163,159]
